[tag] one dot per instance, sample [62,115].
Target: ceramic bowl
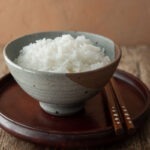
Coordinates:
[61,93]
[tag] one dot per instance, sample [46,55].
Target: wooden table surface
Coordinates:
[135,60]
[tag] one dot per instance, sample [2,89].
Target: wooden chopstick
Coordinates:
[113,110]
[124,111]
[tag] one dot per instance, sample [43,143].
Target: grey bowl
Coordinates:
[61,93]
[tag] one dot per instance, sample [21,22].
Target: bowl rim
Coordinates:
[117,57]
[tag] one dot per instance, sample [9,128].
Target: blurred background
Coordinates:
[125,21]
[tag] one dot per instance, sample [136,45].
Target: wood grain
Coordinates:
[134,60]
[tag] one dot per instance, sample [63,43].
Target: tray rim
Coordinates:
[119,74]
[94,133]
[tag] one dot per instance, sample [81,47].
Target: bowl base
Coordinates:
[61,110]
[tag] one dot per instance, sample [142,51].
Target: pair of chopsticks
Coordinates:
[118,110]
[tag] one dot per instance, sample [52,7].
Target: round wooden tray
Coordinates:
[22,116]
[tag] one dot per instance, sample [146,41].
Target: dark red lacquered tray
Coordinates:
[22,116]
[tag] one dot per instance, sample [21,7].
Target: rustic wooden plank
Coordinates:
[134,60]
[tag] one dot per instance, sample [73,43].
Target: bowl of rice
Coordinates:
[62,69]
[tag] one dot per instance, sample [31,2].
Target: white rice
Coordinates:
[63,54]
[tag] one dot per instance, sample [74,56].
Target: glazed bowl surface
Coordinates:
[61,93]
